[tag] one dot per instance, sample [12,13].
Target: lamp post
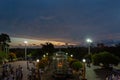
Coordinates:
[71,56]
[37,60]
[44,56]
[38,70]
[25,49]
[89,41]
[47,54]
[66,55]
[84,70]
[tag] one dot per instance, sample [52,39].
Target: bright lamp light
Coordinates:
[89,40]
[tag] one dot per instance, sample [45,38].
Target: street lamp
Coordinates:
[66,53]
[37,60]
[47,54]
[71,55]
[84,60]
[38,70]
[44,55]
[89,41]
[84,69]
[25,49]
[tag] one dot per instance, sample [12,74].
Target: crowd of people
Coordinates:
[9,73]
[113,75]
[32,74]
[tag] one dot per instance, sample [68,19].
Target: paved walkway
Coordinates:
[92,73]
[96,73]
[23,64]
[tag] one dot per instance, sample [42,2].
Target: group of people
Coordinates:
[113,75]
[9,73]
[32,74]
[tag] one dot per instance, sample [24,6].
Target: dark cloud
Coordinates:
[72,20]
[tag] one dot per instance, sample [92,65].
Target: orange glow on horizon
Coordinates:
[34,42]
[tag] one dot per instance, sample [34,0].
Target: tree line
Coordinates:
[77,52]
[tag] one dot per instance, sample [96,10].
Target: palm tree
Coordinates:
[4,41]
[48,48]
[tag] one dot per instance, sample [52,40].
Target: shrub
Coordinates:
[12,56]
[42,63]
[76,65]
[105,58]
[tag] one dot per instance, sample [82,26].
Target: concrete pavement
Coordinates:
[91,73]
[97,73]
[23,64]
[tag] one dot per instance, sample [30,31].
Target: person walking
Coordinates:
[19,73]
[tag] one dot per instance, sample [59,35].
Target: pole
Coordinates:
[25,52]
[84,71]
[89,41]
[25,49]
[89,48]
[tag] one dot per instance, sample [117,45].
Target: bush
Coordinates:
[71,61]
[76,65]
[42,63]
[2,56]
[105,58]
[11,56]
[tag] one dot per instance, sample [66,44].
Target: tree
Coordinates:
[77,65]
[11,56]
[4,40]
[43,63]
[105,58]
[34,53]
[117,45]
[2,56]
[48,48]
[88,57]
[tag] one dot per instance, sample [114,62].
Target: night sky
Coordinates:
[70,21]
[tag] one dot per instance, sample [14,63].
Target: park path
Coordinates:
[23,64]
[98,73]
[90,73]
[45,76]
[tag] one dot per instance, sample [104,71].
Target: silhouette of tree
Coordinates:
[4,41]
[48,48]
[117,45]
